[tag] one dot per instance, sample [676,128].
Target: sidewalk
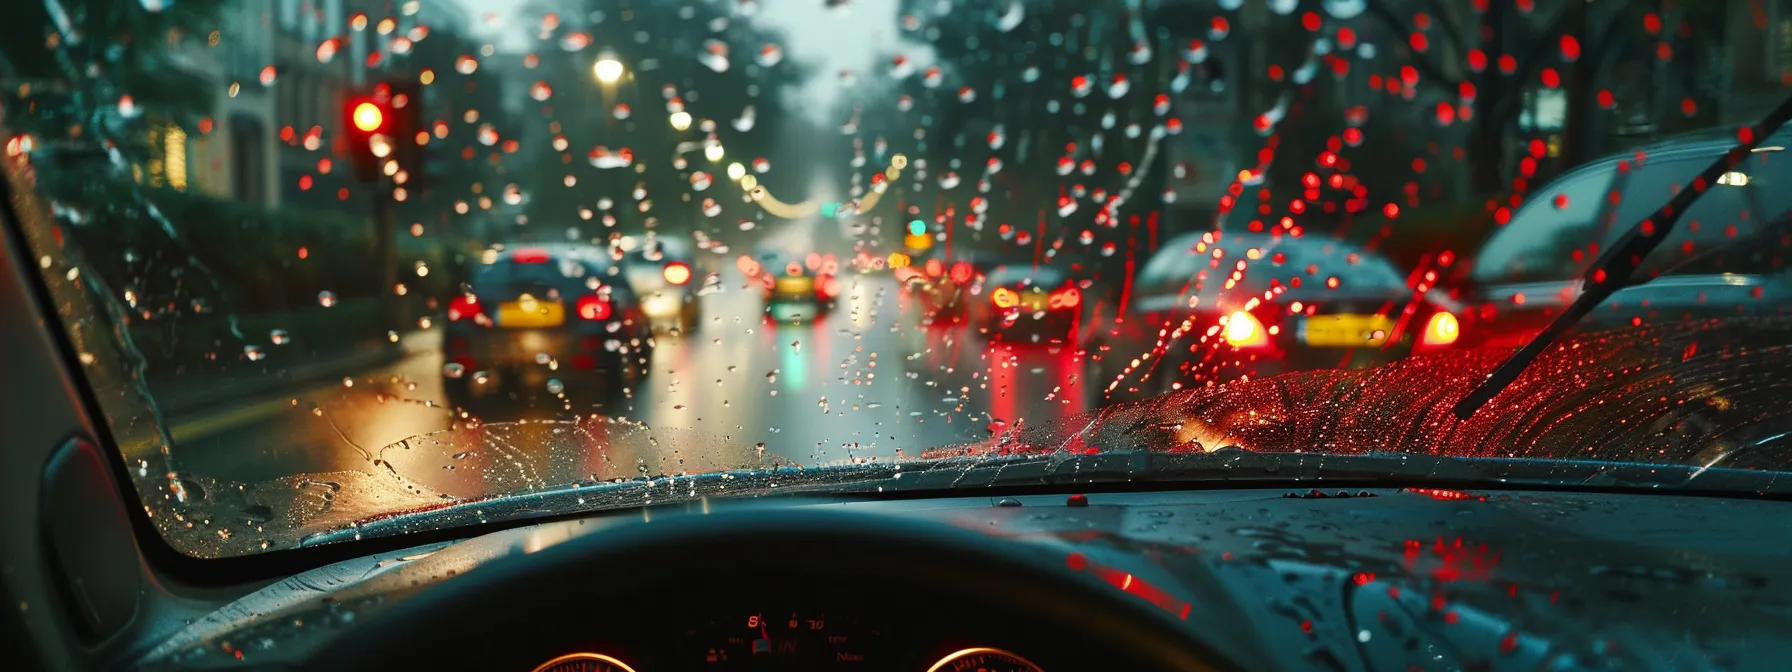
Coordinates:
[185,396]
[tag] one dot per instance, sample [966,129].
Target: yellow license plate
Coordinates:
[1347,331]
[795,285]
[529,312]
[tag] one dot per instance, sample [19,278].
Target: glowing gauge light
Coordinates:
[586,662]
[1443,329]
[1244,331]
[984,659]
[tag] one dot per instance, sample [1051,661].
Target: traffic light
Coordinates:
[378,133]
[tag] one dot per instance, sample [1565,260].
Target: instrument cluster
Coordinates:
[789,639]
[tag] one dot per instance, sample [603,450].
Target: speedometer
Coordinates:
[584,662]
[983,659]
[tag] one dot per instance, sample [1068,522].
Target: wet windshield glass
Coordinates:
[339,267]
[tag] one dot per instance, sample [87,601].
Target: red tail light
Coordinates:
[1244,331]
[826,287]
[1066,298]
[1443,329]
[529,255]
[677,273]
[464,307]
[594,307]
[934,268]
[961,272]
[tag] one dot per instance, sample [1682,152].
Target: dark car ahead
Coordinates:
[1727,256]
[1215,306]
[942,290]
[665,276]
[538,322]
[1026,302]
[795,289]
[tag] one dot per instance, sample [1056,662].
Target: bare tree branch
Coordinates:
[1452,34]
[1429,70]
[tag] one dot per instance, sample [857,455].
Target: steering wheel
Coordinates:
[518,611]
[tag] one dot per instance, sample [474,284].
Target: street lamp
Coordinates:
[681,120]
[714,152]
[608,70]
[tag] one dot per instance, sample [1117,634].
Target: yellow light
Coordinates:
[736,171]
[1443,329]
[915,242]
[681,120]
[1244,331]
[368,117]
[1004,297]
[607,70]
[898,260]
[174,148]
[714,152]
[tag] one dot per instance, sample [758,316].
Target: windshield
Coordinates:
[334,268]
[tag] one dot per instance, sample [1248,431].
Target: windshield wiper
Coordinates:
[1614,270]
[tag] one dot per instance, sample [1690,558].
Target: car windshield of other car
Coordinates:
[343,268]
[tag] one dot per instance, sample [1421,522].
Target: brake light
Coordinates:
[465,306]
[1244,331]
[934,268]
[961,272]
[529,255]
[1066,298]
[594,307]
[1443,329]
[677,273]
[826,287]
[1004,298]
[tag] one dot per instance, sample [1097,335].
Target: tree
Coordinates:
[1493,55]
[691,77]
[1034,127]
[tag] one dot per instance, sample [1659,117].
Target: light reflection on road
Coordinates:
[863,382]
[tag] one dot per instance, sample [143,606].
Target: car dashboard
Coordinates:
[1216,579]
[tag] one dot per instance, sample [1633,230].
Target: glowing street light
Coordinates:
[714,152]
[681,120]
[736,171]
[608,70]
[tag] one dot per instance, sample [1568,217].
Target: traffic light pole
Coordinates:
[385,250]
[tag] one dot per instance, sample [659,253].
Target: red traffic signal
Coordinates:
[367,117]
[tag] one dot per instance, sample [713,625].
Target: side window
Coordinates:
[1738,226]
[1540,242]
[1171,267]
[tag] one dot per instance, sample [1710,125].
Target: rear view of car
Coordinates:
[942,290]
[1027,303]
[535,323]
[1216,306]
[795,291]
[662,273]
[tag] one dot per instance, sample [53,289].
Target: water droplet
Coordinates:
[453,370]
[279,337]
[555,386]
[326,298]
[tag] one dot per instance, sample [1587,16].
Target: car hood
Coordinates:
[1710,393]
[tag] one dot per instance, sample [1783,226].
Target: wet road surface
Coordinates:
[865,381]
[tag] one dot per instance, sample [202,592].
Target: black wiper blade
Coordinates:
[1614,270]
